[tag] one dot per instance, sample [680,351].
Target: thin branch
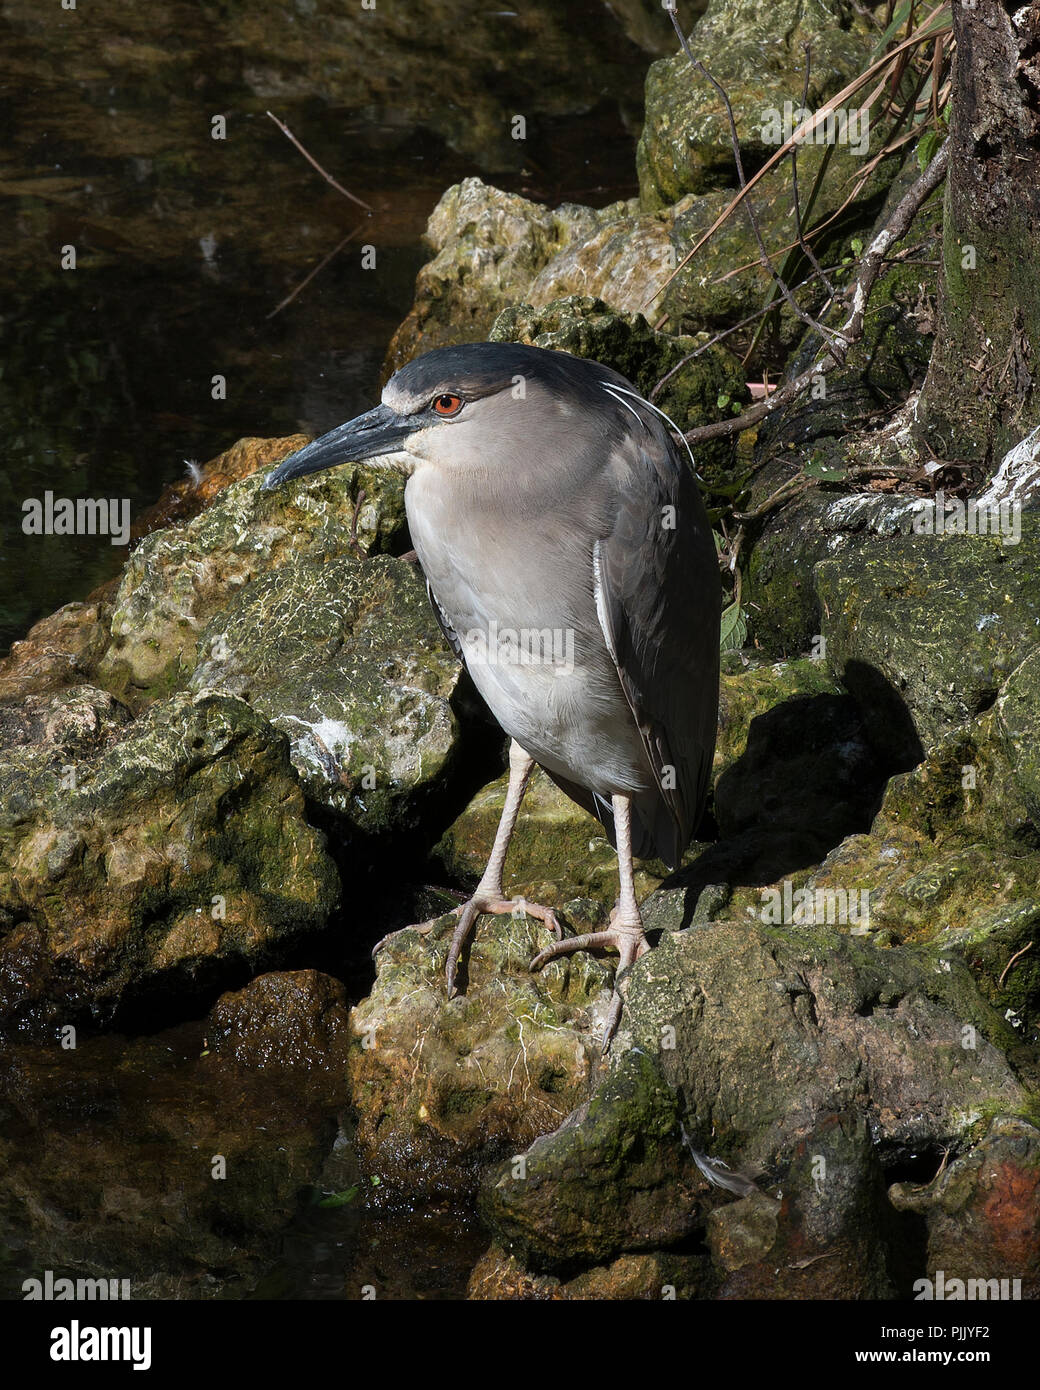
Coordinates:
[852,330]
[1004,972]
[316,271]
[806,248]
[767,264]
[315,165]
[725,333]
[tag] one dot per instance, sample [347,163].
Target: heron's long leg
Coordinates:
[489,895]
[625,933]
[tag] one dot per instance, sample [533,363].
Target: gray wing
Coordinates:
[442,621]
[659,602]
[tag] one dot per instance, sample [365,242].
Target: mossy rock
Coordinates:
[346,658]
[753,49]
[179,577]
[153,865]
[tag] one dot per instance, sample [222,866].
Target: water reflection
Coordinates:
[184,244]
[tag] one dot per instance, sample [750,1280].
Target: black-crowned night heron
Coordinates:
[570,563]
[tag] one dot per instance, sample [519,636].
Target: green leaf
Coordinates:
[816,468]
[723,400]
[927,146]
[734,628]
[339,1199]
[857,246]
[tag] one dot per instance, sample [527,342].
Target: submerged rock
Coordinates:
[152,1163]
[286,1021]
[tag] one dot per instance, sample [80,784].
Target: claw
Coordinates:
[629,942]
[467,913]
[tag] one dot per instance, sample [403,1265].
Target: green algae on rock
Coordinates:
[442,1087]
[179,577]
[152,864]
[841,1062]
[615,1176]
[344,657]
[943,620]
[753,49]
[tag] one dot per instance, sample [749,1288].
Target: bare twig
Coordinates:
[1004,973]
[725,333]
[806,248]
[786,492]
[315,165]
[767,264]
[852,330]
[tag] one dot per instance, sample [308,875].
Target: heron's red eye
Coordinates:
[447,404]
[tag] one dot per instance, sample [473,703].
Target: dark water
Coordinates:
[185,245]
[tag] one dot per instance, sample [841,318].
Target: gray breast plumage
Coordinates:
[588,617]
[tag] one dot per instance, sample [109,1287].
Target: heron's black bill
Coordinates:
[378,431]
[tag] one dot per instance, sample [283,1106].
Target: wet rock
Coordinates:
[292,1020]
[442,1086]
[180,577]
[830,1237]
[346,658]
[615,1176]
[753,49]
[981,1214]
[144,869]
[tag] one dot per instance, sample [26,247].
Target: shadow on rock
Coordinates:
[809,776]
